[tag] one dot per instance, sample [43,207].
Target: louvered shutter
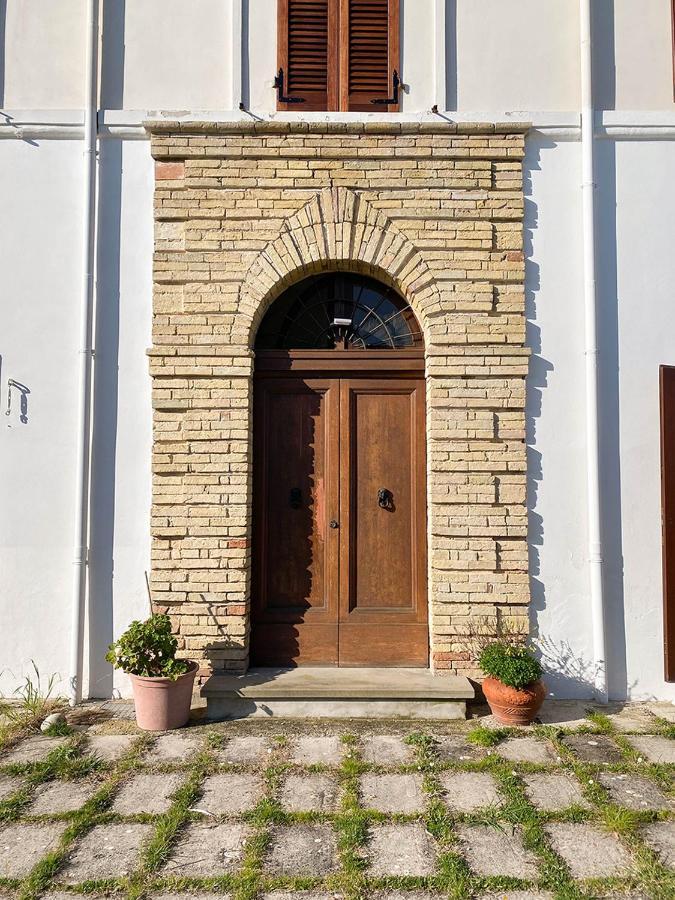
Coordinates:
[369,32]
[304,41]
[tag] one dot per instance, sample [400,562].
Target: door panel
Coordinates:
[355,593]
[295,552]
[383,604]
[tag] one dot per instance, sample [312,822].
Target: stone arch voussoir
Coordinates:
[337,230]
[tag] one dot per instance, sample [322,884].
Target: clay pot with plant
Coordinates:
[513,686]
[162,684]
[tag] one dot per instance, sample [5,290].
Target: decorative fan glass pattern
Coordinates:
[339,311]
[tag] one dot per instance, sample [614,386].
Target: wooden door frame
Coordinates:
[667,387]
[361,365]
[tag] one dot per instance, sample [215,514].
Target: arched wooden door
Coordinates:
[339,551]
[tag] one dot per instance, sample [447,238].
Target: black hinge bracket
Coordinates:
[279,85]
[393,100]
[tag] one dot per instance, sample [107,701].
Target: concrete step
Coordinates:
[335,693]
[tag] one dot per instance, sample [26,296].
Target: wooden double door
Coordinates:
[339,556]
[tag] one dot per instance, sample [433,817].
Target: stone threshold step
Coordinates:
[328,692]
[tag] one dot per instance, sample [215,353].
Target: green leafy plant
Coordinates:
[148,649]
[512,664]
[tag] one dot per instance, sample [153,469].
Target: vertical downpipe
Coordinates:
[80,556]
[595,561]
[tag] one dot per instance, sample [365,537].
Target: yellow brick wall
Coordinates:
[242,211]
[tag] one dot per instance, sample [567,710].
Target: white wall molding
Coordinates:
[127,124]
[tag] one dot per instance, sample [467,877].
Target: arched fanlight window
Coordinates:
[339,311]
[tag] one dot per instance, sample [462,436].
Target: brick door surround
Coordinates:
[243,211]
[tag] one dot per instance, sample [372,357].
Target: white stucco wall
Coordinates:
[560,613]
[39,259]
[165,55]
[645,312]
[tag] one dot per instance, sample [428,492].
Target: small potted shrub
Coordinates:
[513,686]
[162,684]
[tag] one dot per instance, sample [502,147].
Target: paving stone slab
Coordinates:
[634,791]
[245,750]
[566,713]
[146,793]
[634,717]
[174,747]
[660,836]
[107,851]
[654,747]
[393,793]
[191,896]
[404,895]
[300,895]
[553,792]
[401,850]
[311,750]
[663,710]
[456,749]
[230,794]
[22,845]
[309,793]
[497,851]
[302,850]
[110,747]
[525,749]
[62,796]
[588,851]
[467,791]
[209,849]
[593,748]
[518,895]
[9,785]
[32,750]
[387,750]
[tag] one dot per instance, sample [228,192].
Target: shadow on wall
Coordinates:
[106,369]
[3,34]
[451,99]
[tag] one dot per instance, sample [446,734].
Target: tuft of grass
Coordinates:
[487,737]
[31,702]
[59,729]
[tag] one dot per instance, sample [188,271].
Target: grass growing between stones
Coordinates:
[352,824]
[66,762]
[488,737]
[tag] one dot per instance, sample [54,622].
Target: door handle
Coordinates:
[295,498]
[385,499]
[334,524]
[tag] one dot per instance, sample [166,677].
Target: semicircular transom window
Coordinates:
[339,311]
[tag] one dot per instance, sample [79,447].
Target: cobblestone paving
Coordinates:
[580,807]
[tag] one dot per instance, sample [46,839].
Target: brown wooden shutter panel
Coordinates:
[369,53]
[304,33]
[668,514]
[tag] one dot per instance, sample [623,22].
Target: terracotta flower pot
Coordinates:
[513,706]
[163,704]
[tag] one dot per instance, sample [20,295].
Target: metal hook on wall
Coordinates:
[23,399]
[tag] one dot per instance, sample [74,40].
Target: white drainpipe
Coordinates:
[591,351]
[80,559]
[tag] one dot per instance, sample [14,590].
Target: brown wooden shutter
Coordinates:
[305,45]
[369,51]
[668,514]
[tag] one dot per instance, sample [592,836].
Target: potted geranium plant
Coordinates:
[162,684]
[513,686]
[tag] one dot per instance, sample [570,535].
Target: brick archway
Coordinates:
[242,211]
[337,230]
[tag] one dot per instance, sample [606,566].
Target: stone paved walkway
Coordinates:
[580,806]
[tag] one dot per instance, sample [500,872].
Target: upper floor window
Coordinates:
[338,55]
